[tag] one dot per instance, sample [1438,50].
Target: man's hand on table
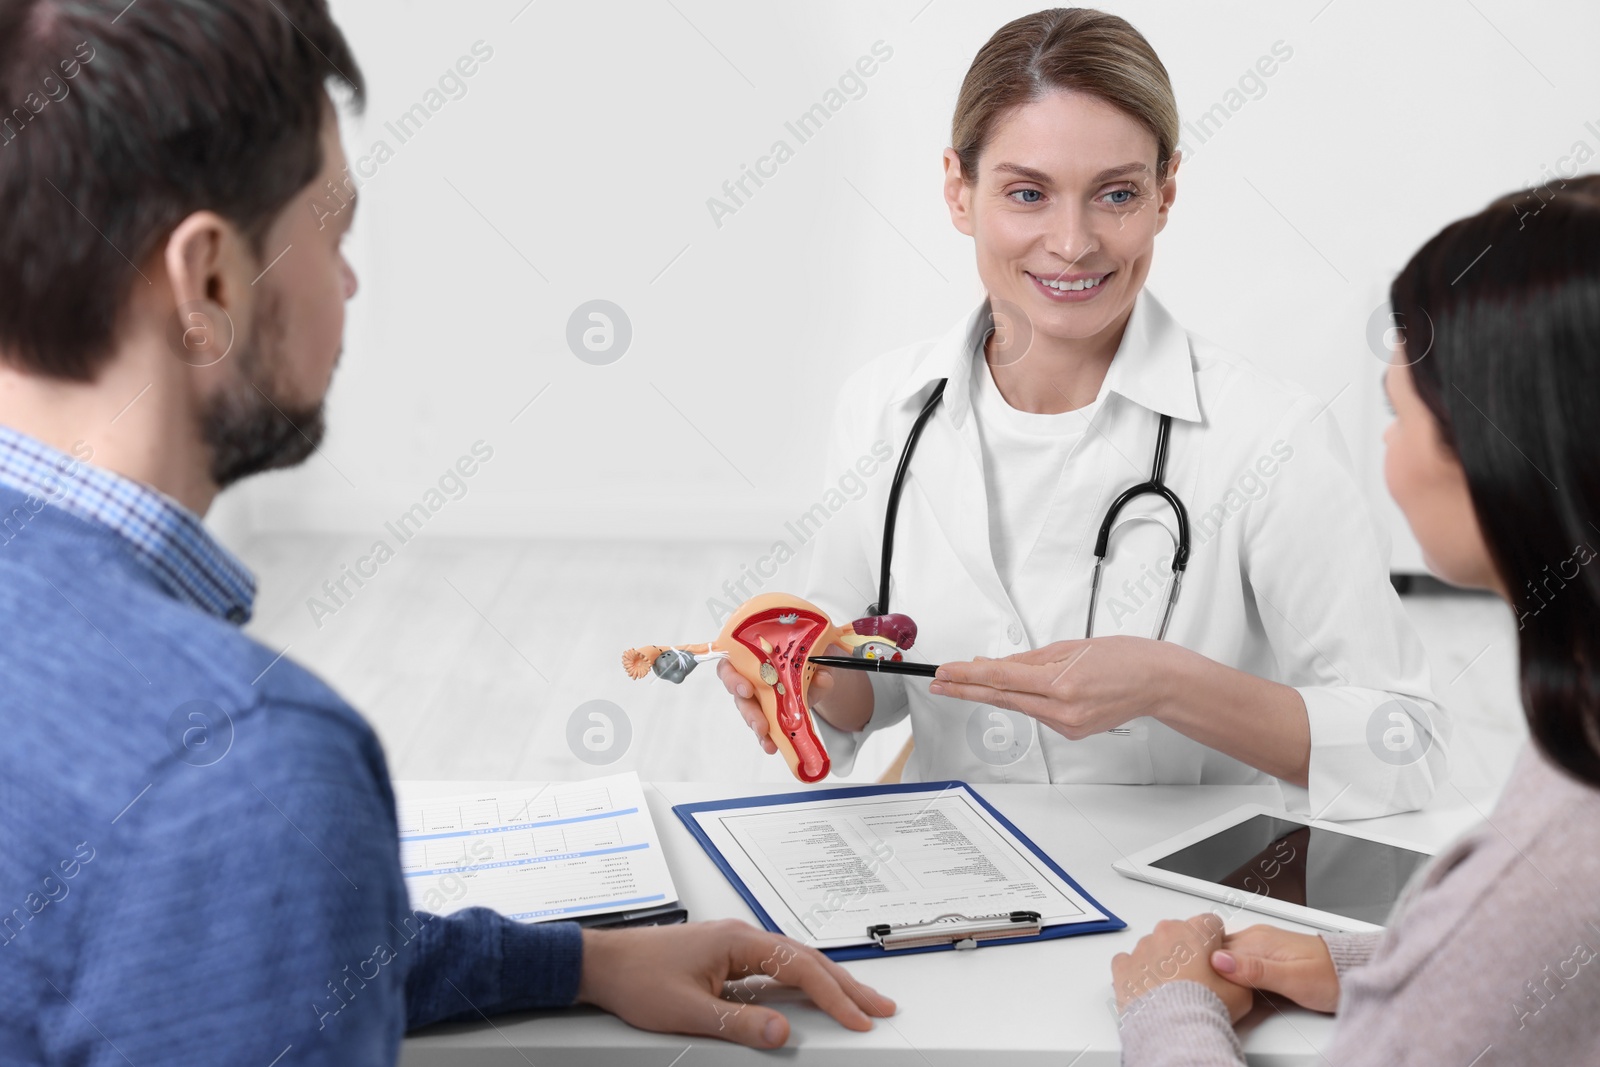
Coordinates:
[1177,951]
[671,978]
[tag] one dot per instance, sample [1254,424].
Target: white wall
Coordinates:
[578,165]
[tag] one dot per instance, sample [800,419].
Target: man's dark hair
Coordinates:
[119,120]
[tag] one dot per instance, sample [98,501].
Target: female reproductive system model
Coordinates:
[769,641]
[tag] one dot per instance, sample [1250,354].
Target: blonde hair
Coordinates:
[1065,48]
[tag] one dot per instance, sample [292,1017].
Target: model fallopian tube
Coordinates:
[769,641]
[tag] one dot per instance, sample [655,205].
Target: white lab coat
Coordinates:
[1288,576]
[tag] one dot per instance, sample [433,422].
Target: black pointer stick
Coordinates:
[882,666]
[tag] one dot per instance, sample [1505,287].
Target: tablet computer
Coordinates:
[1318,873]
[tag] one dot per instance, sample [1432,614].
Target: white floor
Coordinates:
[469,657]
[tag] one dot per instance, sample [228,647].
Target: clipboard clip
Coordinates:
[956,930]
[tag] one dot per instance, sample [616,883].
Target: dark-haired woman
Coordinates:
[1493,954]
[1287,645]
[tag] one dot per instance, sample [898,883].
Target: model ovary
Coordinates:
[769,641]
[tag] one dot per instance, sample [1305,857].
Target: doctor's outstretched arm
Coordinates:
[1085,687]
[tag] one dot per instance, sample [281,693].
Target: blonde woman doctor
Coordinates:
[1288,655]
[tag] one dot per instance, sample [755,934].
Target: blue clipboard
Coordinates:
[686,813]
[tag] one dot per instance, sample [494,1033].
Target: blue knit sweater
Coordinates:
[198,851]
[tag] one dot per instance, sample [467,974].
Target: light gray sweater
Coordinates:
[1492,956]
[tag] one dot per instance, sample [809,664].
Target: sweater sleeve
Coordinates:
[1351,950]
[1185,1023]
[1179,1024]
[475,963]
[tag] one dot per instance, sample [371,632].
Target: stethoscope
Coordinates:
[1155,486]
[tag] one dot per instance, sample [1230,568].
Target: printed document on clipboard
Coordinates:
[568,850]
[850,870]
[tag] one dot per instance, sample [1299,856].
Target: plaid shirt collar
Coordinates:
[166,538]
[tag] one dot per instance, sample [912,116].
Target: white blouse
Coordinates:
[1024,457]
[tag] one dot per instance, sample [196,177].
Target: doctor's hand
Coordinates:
[853,695]
[1273,960]
[1077,688]
[670,979]
[744,698]
[1177,951]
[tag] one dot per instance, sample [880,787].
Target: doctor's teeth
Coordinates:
[1073,287]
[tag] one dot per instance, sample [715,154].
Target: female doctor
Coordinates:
[1287,655]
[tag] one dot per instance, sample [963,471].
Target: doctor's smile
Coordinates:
[1068,288]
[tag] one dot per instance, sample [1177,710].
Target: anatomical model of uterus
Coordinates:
[769,641]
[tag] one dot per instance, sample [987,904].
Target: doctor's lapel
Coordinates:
[947,473]
[1152,375]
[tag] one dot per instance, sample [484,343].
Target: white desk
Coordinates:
[1035,1004]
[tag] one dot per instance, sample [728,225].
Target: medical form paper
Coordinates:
[561,851]
[824,870]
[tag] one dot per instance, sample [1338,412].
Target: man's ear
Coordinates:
[957,193]
[207,261]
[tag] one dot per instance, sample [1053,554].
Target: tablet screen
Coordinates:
[1299,864]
